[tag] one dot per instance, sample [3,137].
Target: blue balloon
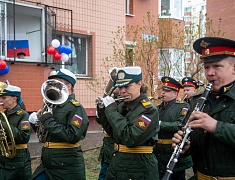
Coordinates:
[61,48]
[68,50]
[4,71]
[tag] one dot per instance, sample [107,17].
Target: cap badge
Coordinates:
[204,44]
[186,79]
[166,79]
[207,51]
[121,75]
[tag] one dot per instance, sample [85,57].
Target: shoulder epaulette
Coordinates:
[75,102]
[19,112]
[146,103]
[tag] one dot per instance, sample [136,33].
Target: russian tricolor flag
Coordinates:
[21,46]
[78,118]
[145,119]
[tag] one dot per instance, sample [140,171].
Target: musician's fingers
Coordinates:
[177,138]
[186,147]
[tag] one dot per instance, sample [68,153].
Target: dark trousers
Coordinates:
[179,175]
[103,169]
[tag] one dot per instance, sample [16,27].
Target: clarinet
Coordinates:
[186,132]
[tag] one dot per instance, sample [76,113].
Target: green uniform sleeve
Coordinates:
[178,116]
[68,124]
[225,132]
[137,128]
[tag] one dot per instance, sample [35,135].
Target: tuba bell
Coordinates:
[8,149]
[54,92]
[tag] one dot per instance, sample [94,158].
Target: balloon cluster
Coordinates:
[4,69]
[59,51]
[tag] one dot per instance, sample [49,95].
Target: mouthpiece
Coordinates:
[122,98]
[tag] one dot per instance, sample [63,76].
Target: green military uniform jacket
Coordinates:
[213,154]
[65,126]
[129,129]
[107,149]
[18,167]
[171,116]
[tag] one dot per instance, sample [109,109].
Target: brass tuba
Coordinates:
[54,92]
[8,149]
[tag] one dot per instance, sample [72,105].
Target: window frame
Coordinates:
[5,33]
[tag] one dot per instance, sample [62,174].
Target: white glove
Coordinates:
[99,102]
[108,100]
[33,118]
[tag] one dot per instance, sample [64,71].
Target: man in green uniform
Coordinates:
[19,165]
[133,125]
[190,87]
[212,142]
[62,156]
[171,114]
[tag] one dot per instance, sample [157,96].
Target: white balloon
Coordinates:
[64,57]
[55,43]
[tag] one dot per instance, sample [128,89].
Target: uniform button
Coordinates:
[224,106]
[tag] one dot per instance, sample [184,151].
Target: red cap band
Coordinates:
[218,50]
[170,85]
[189,83]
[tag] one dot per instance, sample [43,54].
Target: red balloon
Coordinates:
[51,50]
[3,64]
[57,56]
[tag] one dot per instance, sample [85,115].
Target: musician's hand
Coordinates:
[45,116]
[202,120]
[33,118]
[178,137]
[108,100]
[99,102]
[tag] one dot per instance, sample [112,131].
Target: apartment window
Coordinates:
[186,46]
[203,7]
[171,62]
[129,56]
[129,7]
[165,8]
[23,32]
[187,9]
[81,56]
[187,55]
[187,19]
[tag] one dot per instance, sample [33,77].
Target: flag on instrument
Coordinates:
[20,45]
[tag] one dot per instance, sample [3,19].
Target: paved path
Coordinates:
[91,141]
